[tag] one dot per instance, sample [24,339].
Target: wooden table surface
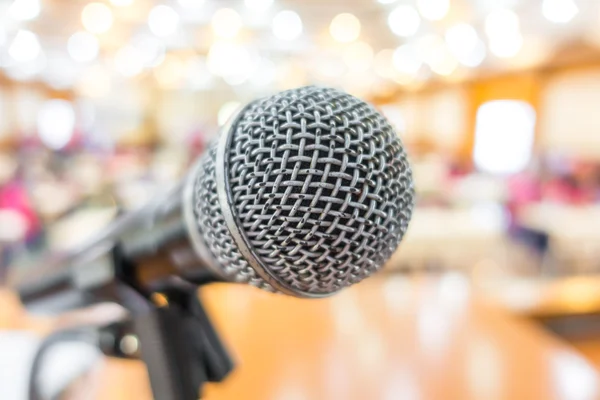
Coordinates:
[388,338]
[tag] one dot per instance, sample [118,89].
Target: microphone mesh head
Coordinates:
[319,186]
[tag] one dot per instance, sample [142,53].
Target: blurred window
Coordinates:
[504,134]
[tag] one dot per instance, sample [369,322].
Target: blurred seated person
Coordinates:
[579,186]
[523,189]
[19,221]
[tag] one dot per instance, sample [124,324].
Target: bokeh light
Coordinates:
[433,10]
[501,22]
[287,25]
[24,10]
[258,5]
[344,28]
[559,11]
[24,47]
[121,3]
[506,46]
[404,20]
[163,20]
[192,4]
[97,18]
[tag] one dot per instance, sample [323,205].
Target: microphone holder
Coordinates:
[177,341]
[180,347]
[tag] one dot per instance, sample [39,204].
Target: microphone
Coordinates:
[304,193]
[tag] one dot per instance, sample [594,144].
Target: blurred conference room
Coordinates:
[493,293]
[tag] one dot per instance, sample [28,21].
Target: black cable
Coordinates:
[73,335]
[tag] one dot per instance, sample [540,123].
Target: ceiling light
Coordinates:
[258,5]
[163,20]
[195,4]
[461,37]
[474,57]
[559,11]
[24,10]
[121,3]
[506,46]
[24,47]
[97,17]
[501,22]
[226,23]
[83,47]
[344,28]
[433,10]
[404,20]
[287,25]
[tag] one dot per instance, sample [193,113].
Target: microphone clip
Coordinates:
[176,340]
[170,331]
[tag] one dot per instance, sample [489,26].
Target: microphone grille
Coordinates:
[318,187]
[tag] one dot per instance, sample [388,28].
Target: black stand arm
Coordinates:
[178,342]
[180,347]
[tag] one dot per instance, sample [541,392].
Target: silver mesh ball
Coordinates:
[319,186]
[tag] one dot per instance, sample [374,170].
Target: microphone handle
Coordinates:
[153,241]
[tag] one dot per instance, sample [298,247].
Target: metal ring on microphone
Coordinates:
[190,221]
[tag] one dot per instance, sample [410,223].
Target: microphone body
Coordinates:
[154,238]
[304,193]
